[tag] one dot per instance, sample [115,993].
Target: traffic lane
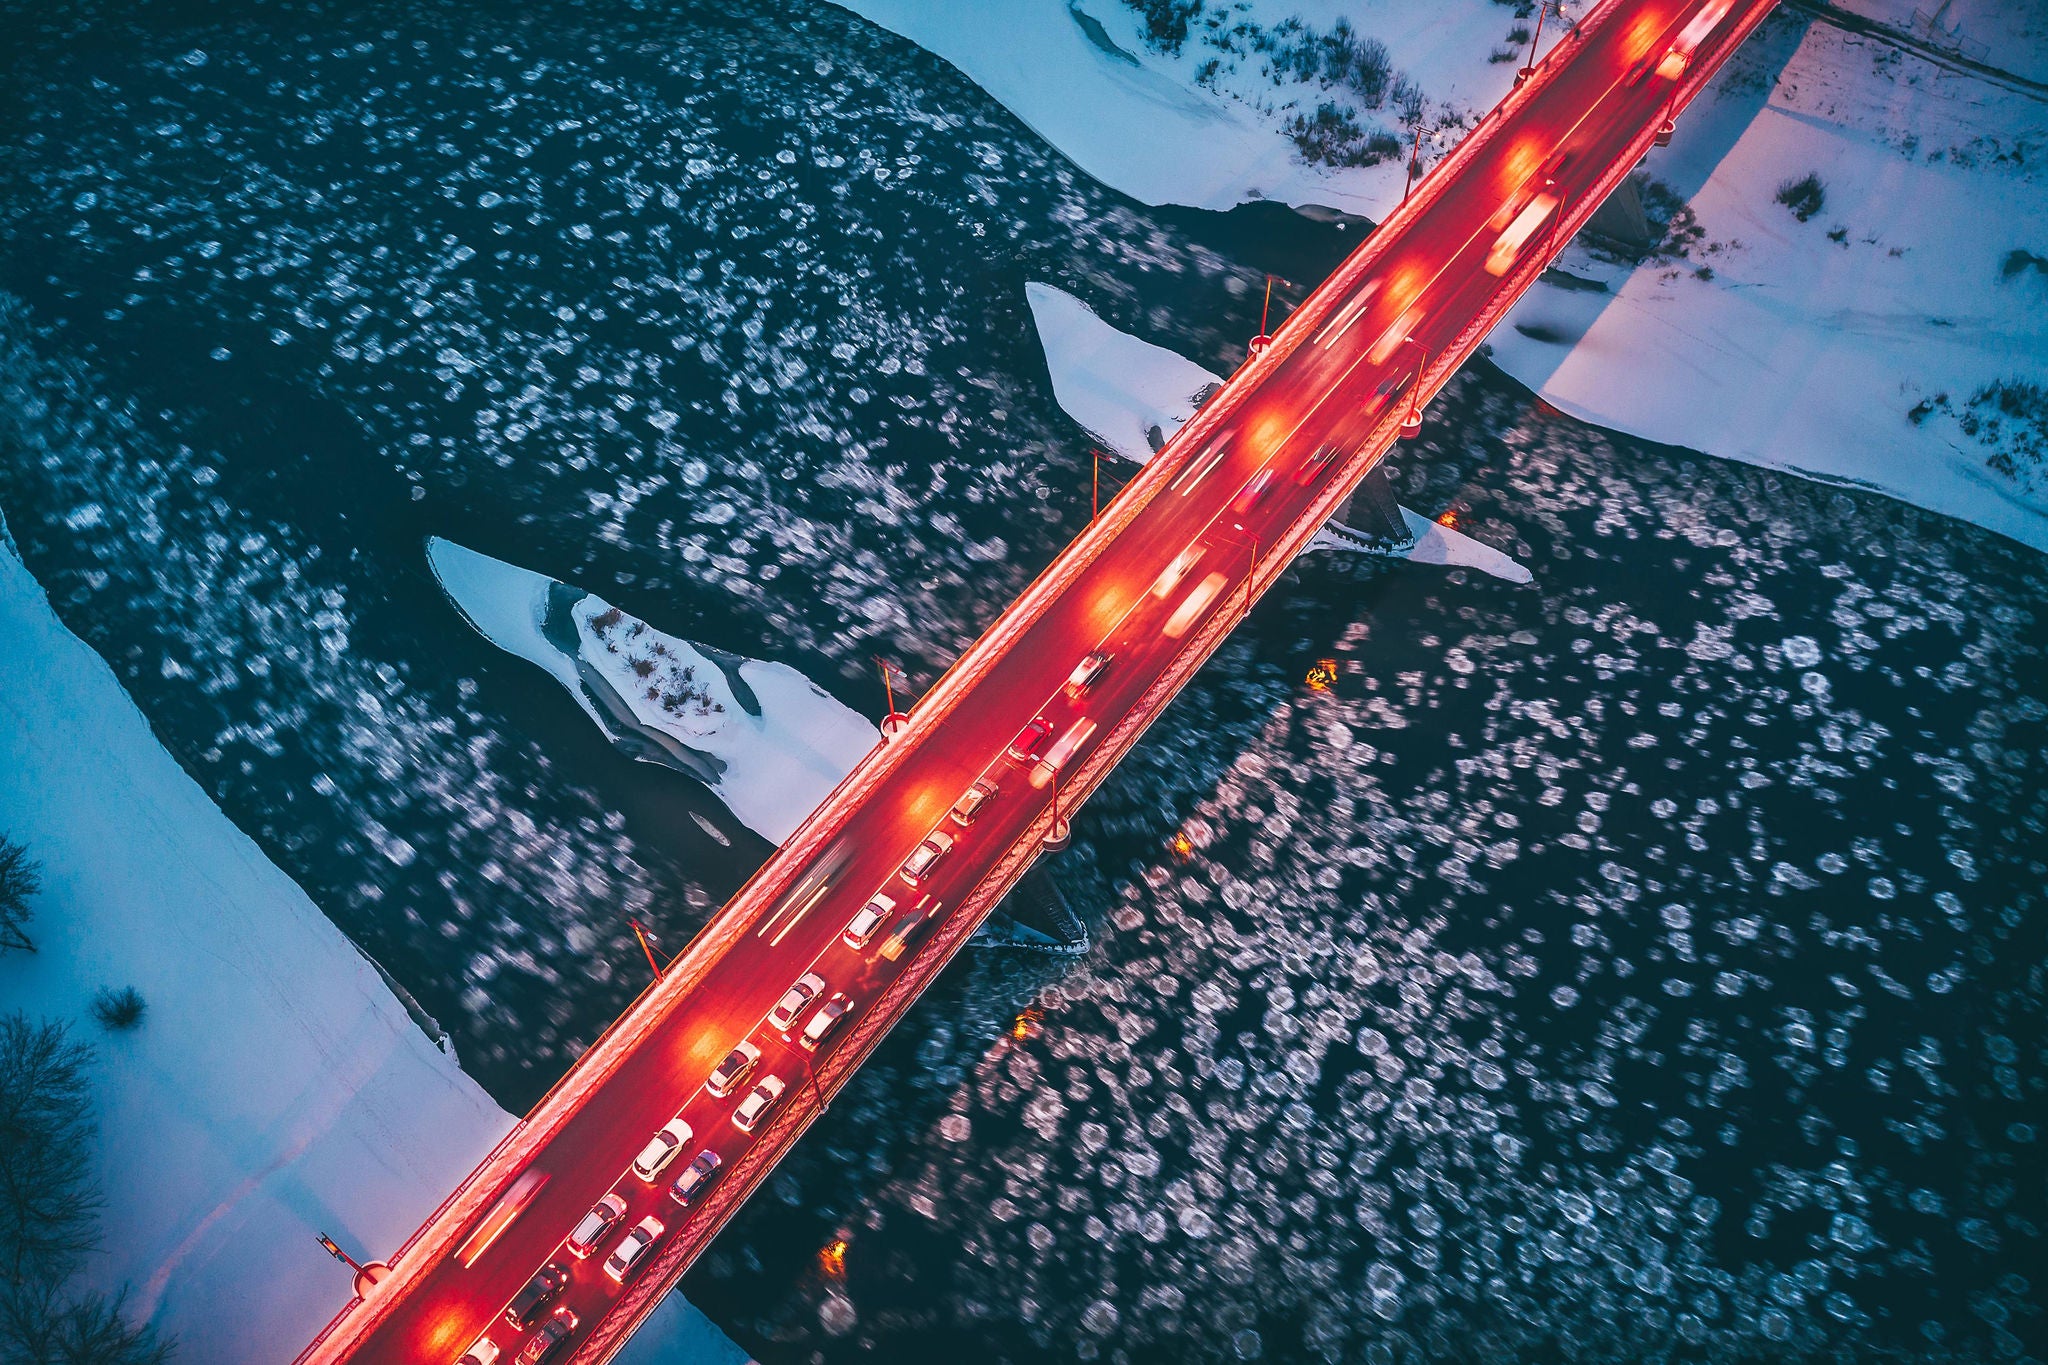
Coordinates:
[598,1141]
[1229,474]
[1170,523]
[750,978]
[581,1164]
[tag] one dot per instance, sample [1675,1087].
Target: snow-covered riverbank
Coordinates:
[1849,346]
[1168,128]
[766,739]
[276,1088]
[1130,394]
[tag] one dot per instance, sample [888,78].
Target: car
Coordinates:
[695,1178]
[1065,748]
[540,1291]
[970,802]
[824,1021]
[547,1343]
[661,1149]
[1030,741]
[1086,672]
[1170,578]
[867,919]
[1396,336]
[483,1351]
[918,866]
[595,1224]
[1507,248]
[510,1205]
[1312,468]
[793,1001]
[893,946]
[1253,492]
[632,1247]
[758,1102]
[737,1066]
[1680,54]
[1193,606]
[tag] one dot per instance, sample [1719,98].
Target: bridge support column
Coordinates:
[1621,221]
[1372,509]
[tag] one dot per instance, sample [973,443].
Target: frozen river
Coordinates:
[1641,963]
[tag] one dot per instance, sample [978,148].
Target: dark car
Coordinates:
[907,930]
[695,1179]
[549,1341]
[1312,468]
[540,1291]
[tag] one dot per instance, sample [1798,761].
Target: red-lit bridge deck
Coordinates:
[1158,581]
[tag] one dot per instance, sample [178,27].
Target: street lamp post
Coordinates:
[1265,338]
[1411,424]
[369,1274]
[1251,576]
[1061,833]
[1542,8]
[894,721]
[1414,155]
[645,947]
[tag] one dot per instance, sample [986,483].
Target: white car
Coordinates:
[926,855]
[737,1066]
[1680,55]
[1507,248]
[661,1149]
[970,803]
[793,1001]
[694,1178]
[862,926]
[1176,571]
[631,1248]
[484,1352]
[589,1232]
[758,1102]
[824,1021]
[1086,672]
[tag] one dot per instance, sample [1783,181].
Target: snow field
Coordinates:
[275,1089]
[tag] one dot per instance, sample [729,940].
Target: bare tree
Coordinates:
[40,1326]
[49,1209]
[20,878]
[48,1205]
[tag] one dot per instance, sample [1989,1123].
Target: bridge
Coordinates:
[1155,583]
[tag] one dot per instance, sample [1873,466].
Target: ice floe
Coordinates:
[1133,396]
[768,741]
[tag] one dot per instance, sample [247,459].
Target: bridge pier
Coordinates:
[1372,509]
[1620,220]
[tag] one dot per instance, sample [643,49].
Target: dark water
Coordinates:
[1642,964]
